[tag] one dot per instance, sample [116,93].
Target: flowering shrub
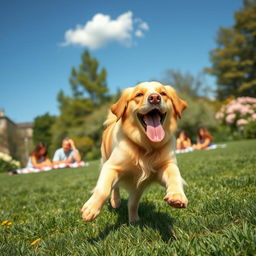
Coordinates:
[238,113]
[7,163]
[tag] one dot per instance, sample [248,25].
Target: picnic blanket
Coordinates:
[48,168]
[190,149]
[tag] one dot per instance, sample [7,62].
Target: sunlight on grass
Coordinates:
[43,210]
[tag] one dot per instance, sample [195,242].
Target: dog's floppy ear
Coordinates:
[179,105]
[120,106]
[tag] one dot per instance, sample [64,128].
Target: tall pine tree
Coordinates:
[89,91]
[88,88]
[42,128]
[234,60]
[88,80]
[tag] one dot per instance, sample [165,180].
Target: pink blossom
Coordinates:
[243,108]
[250,106]
[230,118]
[254,117]
[246,109]
[244,100]
[219,115]
[250,100]
[241,100]
[236,107]
[239,108]
[241,122]
[250,111]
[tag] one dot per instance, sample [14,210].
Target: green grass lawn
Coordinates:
[220,218]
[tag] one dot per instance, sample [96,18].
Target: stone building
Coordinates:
[15,138]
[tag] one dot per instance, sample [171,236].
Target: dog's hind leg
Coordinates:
[115,199]
[133,204]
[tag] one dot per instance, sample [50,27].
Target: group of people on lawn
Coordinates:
[64,155]
[69,154]
[204,140]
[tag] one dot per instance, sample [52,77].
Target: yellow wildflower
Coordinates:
[6,223]
[35,242]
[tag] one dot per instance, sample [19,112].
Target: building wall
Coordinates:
[26,132]
[8,129]
[15,139]
[3,146]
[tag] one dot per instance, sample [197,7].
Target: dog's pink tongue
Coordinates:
[155,131]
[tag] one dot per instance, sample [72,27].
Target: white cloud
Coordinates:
[141,26]
[144,26]
[101,30]
[139,33]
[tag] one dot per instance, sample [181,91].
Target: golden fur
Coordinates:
[132,160]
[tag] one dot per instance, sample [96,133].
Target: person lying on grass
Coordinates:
[204,139]
[38,157]
[67,154]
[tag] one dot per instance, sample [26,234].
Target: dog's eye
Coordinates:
[163,93]
[139,94]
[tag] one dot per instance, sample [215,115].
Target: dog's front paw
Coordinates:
[89,211]
[177,200]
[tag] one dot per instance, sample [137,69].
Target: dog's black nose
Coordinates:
[154,98]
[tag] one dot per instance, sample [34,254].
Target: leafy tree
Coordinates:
[84,144]
[89,93]
[200,111]
[42,128]
[72,114]
[187,84]
[88,80]
[234,59]
[74,110]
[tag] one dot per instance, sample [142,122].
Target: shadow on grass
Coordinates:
[150,218]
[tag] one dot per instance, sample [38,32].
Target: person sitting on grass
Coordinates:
[183,141]
[38,157]
[204,139]
[67,154]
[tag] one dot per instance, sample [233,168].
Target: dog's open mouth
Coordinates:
[153,124]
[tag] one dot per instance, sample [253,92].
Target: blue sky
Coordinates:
[35,64]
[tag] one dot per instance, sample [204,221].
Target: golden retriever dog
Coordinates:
[138,148]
